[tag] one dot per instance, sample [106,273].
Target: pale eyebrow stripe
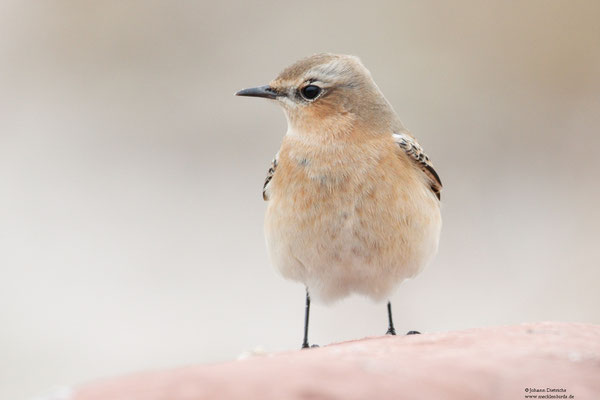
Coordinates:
[332,68]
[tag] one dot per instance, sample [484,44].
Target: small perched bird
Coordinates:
[354,202]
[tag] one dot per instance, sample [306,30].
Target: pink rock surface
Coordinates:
[487,363]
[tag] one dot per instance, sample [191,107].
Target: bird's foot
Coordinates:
[307,346]
[391,331]
[413,333]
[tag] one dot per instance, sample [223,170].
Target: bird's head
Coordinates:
[331,95]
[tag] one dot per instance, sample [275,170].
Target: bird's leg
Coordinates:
[391,330]
[305,344]
[306,315]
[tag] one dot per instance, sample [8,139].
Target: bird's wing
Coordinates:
[269,176]
[414,150]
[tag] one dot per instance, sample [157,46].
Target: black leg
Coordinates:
[391,330]
[306,315]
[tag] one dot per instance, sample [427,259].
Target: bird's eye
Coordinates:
[310,92]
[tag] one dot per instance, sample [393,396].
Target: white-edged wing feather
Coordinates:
[410,146]
[270,173]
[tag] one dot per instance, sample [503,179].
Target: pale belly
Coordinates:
[362,235]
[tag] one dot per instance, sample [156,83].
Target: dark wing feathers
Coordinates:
[410,146]
[270,173]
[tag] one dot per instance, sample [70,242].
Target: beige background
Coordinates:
[130,176]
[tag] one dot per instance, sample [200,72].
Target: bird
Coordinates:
[353,200]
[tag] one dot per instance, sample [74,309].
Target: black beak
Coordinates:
[262,91]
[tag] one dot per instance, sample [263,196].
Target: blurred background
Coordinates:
[130,176]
